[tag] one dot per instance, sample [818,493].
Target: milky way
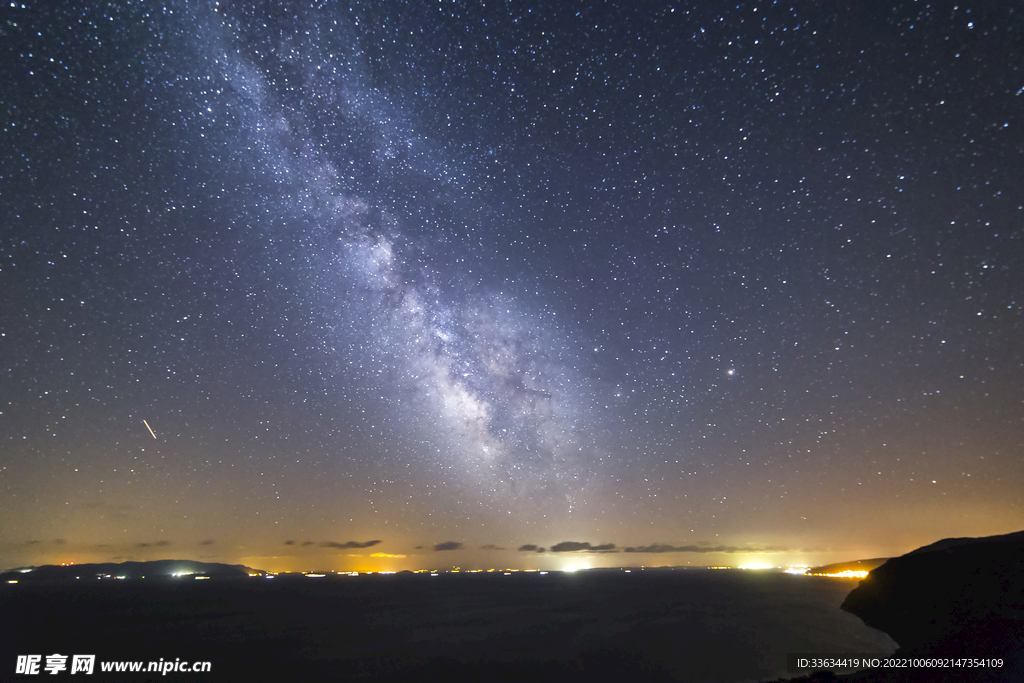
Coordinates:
[488,385]
[503,276]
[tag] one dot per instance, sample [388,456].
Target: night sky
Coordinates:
[433,284]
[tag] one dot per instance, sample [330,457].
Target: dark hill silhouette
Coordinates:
[129,570]
[956,598]
[951,544]
[959,597]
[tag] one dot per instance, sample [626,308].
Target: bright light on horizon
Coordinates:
[756,565]
[848,574]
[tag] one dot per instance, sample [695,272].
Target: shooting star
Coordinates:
[149,428]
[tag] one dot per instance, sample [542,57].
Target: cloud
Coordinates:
[448,545]
[384,555]
[663,548]
[206,542]
[490,546]
[305,543]
[348,544]
[657,548]
[527,548]
[289,542]
[157,544]
[569,547]
[576,546]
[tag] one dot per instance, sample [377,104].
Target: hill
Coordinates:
[125,570]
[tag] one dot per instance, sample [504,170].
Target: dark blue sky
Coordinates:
[739,278]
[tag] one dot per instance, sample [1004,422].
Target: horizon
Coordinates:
[383,284]
[567,568]
[535,559]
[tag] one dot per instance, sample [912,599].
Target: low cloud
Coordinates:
[348,545]
[206,542]
[448,545]
[577,546]
[289,542]
[527,548]
[155,544]
[663,548]
[490,546]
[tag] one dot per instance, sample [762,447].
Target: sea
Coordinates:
[722,626]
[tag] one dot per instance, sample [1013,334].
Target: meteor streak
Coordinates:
[149,428]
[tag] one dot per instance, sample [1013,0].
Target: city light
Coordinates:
[848,574]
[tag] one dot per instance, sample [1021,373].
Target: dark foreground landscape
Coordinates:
[958,598]
[651,625]
[961,598]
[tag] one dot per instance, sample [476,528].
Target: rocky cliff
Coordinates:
[961,597]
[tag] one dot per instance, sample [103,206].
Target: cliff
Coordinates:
[960,597]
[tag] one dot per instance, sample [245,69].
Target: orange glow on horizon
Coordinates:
[848,574]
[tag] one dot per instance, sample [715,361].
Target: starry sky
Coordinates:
[396,285]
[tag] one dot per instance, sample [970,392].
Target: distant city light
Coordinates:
[848,574]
